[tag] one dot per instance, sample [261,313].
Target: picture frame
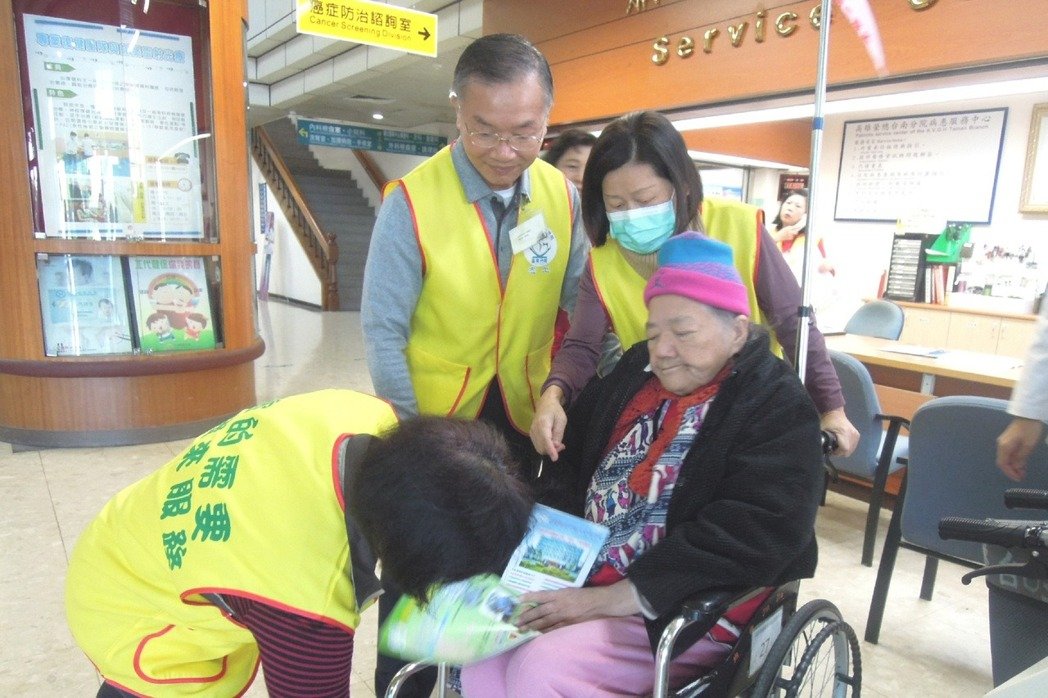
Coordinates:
[1034,198]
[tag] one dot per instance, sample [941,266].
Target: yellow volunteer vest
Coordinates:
[467,329]
[252,508]
[621,288]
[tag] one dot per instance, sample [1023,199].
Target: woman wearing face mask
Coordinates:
[641,187]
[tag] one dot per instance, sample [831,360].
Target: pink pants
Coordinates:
[598,658]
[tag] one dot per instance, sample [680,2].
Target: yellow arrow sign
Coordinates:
[373,23]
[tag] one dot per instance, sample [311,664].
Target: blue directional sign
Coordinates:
[364,138]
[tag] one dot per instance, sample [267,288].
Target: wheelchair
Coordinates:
[1018,600]
[783,651]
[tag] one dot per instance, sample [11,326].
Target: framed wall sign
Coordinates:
[789,183]
[944,162]
[1035,175]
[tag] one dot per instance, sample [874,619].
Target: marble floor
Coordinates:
[928,648]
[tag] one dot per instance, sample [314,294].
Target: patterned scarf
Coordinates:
[649,398]
[631,488]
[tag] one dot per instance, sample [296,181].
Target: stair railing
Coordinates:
[374,172]
[321,248]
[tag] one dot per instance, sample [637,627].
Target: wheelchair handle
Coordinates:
[829,445]
[1025,498]
[1032,535]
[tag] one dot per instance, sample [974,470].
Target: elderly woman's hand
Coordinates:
[836,422]
[556,609]
[547,428]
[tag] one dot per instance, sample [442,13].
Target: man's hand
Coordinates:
[556,609]
[547,428]
[836,422]
[1015,444]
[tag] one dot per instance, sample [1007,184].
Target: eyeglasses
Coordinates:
[483,139]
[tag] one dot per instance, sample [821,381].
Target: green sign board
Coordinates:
[363,138]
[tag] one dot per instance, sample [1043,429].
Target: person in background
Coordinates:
[569,153]
[473,254]
[641,189]
[700,452]
[257,544]
[792,218]
[789,229]
[1029,405]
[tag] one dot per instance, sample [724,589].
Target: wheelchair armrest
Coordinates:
[711,604]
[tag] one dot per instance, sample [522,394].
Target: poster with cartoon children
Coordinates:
[172,303]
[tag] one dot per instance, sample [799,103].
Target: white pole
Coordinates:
[810,239]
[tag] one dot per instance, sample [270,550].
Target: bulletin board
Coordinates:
[945,162]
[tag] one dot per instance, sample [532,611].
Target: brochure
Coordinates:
[172,304]
[83,305]
[915,350]
[473,619]
[557,551]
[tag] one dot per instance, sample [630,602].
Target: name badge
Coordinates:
[527,233]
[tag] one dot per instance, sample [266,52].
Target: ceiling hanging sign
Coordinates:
[362,138]
[372,23]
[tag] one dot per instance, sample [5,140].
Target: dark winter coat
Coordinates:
[742,512]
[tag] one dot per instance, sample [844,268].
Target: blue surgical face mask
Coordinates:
[643,230]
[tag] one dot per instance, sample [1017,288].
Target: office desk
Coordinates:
[904,382]
[951,373]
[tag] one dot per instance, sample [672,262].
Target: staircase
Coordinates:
[337,204]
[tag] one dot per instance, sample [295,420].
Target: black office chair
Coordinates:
[878,318]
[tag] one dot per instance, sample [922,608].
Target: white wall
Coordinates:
[861,250]
[291,275]
[764,190]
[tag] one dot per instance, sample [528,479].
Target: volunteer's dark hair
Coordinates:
[645,137]
[500,58]
[566,141]
[438,501]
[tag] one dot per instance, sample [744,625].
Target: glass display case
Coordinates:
[128,262]
[118,119]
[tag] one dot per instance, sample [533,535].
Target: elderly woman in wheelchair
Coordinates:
[700,452]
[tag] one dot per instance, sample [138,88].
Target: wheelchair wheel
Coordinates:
[816,654]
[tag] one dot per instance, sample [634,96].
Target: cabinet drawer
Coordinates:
[1015,337]
[973,333]
[925,327]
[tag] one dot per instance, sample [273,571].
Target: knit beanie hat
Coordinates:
[700,268]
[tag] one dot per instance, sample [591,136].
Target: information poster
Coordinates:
[116,133]
[83,305]
[172,304]
[946,163]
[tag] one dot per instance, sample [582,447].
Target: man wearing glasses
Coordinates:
[472,255]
